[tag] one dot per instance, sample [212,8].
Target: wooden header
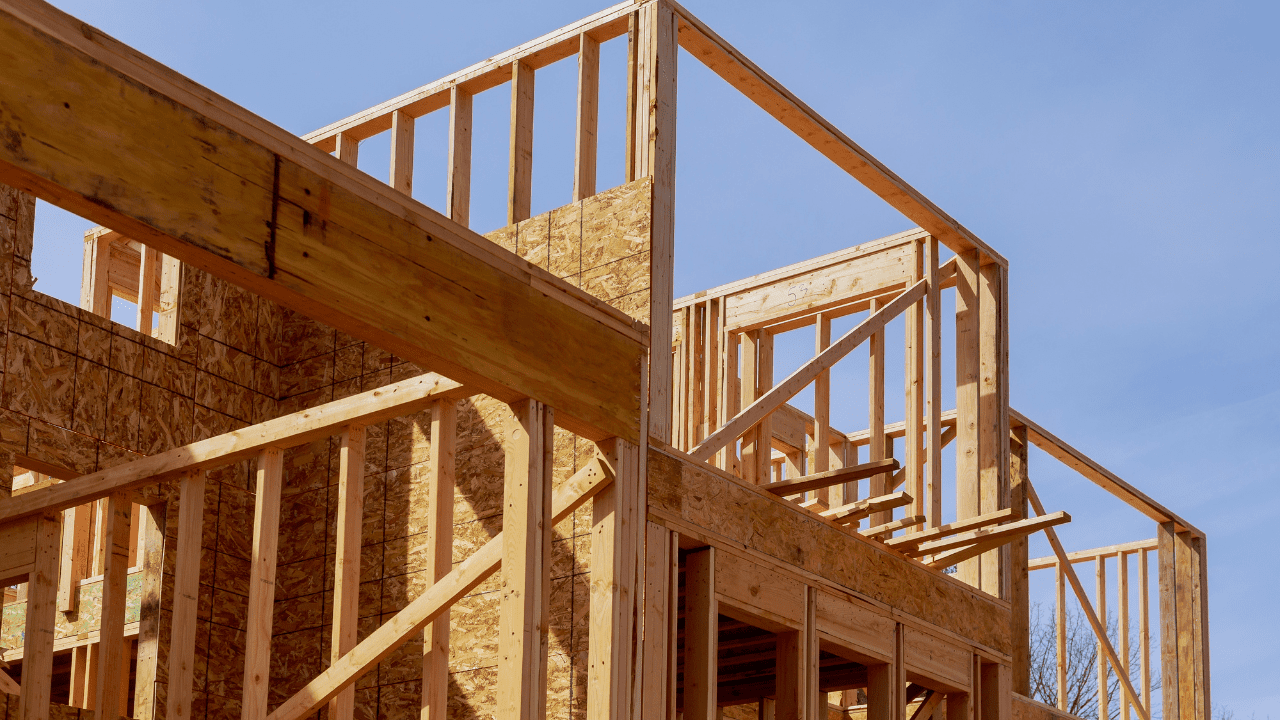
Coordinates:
[110,134]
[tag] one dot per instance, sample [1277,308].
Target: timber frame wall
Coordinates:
[522,398]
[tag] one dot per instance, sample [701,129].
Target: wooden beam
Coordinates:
[744,75]
[854,511]
[77,526]
[1100,599]
[458,183]
[398,399]
[893,526]
[285,221]
[913,379]
[262,583]
[831,477]
[1079,556]
[661,611]
[152,638]
[584,157]
[346,570]
[460,581]
[879,483]
[653,136]
[1019,575]
[526,586]
[42,609]
[186,597]
[110,689]
[402,151]
[520,172]
[440,499]
[993,422]
[797,381]
[1122,610]
[924,711]
[1004,533]
[1099,630]
[790,670]
[1144,627]
[614,549]
[348,149]
[1100,476]
[910,542]
[148,268]
[968,376]
[822,407]
[1060,625]
[701,636]
[933,385]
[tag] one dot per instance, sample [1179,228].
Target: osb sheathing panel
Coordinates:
[726,507]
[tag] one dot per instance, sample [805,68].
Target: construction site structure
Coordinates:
[359,461]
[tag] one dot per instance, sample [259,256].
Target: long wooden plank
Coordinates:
[110,684]
[520,155]
[614,548]
[910,542]
[730,64]
[806,374]
[370,407]
[701,636]
[168,163]
[1080,556]
[262,583]
[484,75]
[876,447]
[968,375]
[42,609]
[1002,532]
[186,596]
[462,579]
[402,127]
[854,511]
[831,477]
[458,181]
[346,563]
[440,498]
[526,502]
[1100,476]
[588,116]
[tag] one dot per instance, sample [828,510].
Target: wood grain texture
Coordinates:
[288,222]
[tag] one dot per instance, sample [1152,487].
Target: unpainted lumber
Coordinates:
[186,594]
[588,116]
[346,570]
[797,381]
[460,581]
[402,127]
[968,371]
[42,609]
[262,583]
[458,181]
[256,221]
[700,635]
[440,499]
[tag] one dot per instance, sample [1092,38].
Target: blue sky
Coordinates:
[1123,157]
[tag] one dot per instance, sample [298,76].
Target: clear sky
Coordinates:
[1122,156]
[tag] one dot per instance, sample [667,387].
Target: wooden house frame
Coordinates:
[724,571]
